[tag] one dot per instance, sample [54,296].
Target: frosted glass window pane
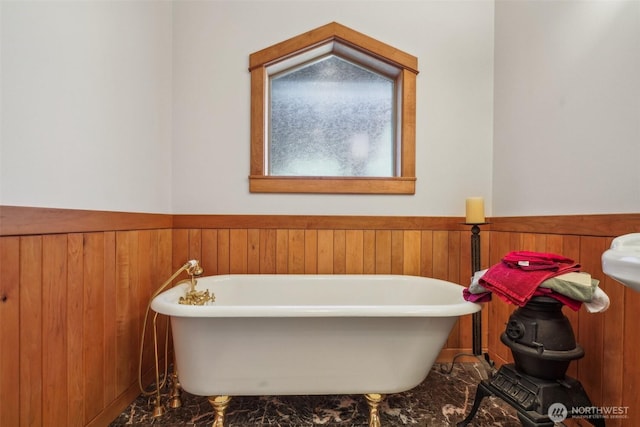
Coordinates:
[332,118]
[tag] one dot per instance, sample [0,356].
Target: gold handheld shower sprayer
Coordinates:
[192,297]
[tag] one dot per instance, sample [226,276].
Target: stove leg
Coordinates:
[481,392]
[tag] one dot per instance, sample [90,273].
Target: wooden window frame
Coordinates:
[404,183]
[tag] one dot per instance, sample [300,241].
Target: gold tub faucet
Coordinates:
[194,297]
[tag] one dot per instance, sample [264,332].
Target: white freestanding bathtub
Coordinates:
[311,334]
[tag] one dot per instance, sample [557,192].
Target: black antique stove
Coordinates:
[542,344]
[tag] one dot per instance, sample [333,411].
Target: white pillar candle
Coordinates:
[475,210]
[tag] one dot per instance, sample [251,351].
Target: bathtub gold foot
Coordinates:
[220,404]
[174,398]
[374,399]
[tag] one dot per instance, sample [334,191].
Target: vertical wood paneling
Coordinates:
[282,251]
[453,275]
[75,328]
[180,249]
[397,251]
[369,252]
[535,242]
[195,244]
[93,321]
[74,333]
[253,251]
[383,252]
[10,336]
[310,251]
[296,255]
[339,252]
[412,254]
[54,330]
[224,252]
[485,244]
[325,251]
[75,301]
[136,252]
[30,332]
[453,261]
[354,249]
[146,259]
[268,243]
[109,319]
[554,244]
[465,257]
[238,253]
[209,257]
[426,251]
[127,312]
[440,254]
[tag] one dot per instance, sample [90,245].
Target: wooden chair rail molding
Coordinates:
[24,221]
[319,222]
[17,220]
[604,225]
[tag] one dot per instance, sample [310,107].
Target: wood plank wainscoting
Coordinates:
[74,287]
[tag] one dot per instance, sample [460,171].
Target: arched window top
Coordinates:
[333,111]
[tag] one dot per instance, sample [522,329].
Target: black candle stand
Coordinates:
[476,319]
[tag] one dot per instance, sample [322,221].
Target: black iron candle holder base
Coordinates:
[532,397]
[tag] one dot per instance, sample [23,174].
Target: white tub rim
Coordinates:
[166,302]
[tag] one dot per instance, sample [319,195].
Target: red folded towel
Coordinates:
[517,277]
[528,260]
[483,297]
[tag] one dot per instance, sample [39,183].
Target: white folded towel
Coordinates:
[476,287]
[599,303]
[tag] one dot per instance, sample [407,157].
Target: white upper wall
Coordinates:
[101,100]
[566,108]
[86,105]
[453,41]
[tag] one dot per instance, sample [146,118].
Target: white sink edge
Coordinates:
[622,261]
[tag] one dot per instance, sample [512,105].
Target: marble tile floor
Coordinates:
[443,399]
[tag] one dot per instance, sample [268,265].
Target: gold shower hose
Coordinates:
[156,391]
